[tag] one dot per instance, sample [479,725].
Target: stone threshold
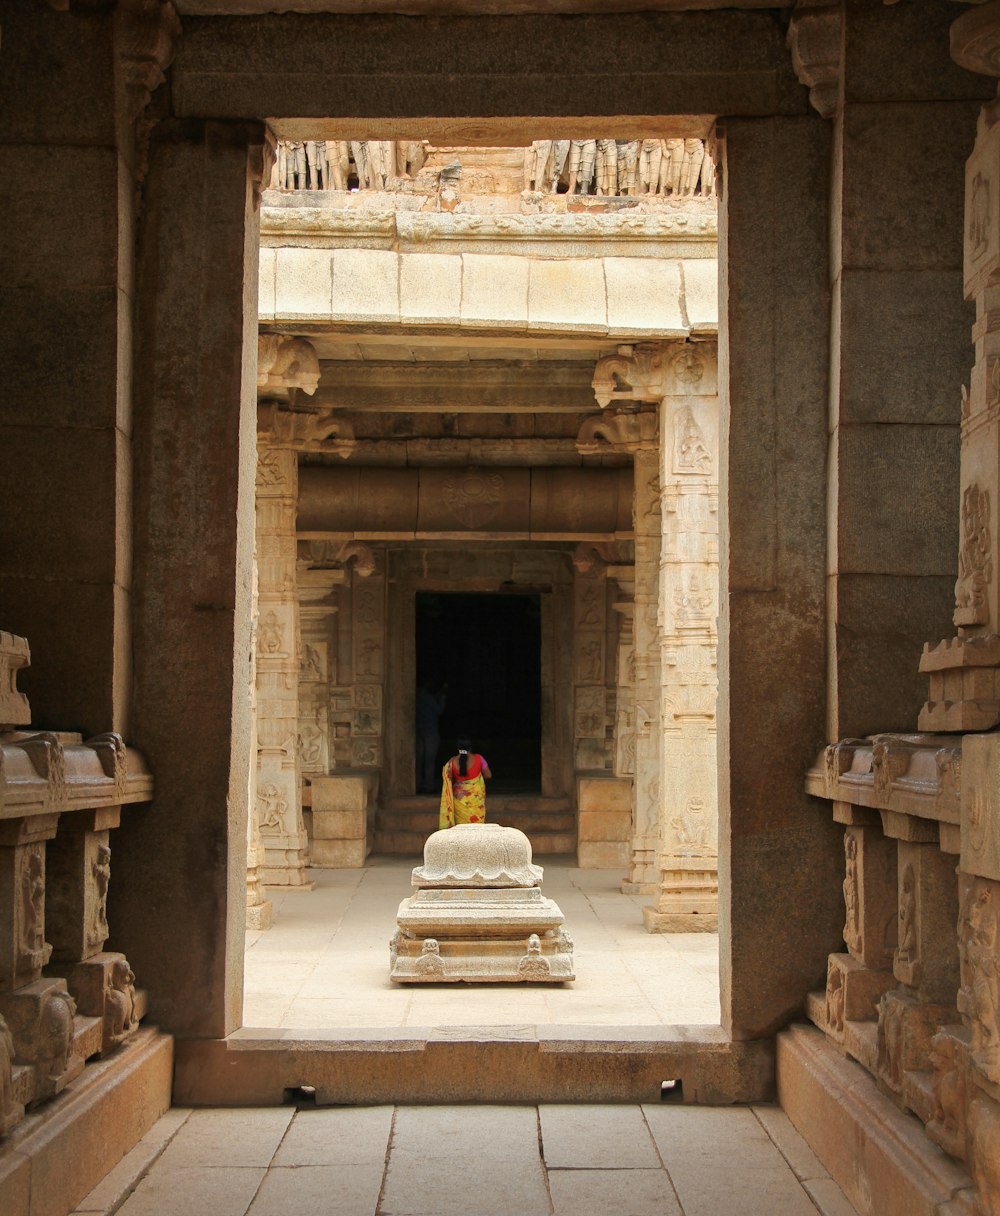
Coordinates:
[879,1155]
[51,1160]
[481,1064]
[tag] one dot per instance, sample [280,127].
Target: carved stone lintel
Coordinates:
[814,39]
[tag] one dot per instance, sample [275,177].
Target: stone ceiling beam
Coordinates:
[522,71]
[545,387]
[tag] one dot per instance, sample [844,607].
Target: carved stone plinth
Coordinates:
[40,1017]
[906,1027]
[478,915]
[688,897]
[104,987]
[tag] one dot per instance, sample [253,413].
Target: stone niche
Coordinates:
[478,914]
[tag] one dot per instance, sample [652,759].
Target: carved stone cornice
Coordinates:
[286,363]
[279,426]
[618,432]
[147,30]
[975,39]
[814,39]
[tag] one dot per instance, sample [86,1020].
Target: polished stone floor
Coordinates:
[324,963]
[471,1161]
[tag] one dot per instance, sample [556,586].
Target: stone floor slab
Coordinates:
[465,1161]
[596,1137]
[339,1136]
[319,1190]
[626,1192]
[215,1190]
[229,1137]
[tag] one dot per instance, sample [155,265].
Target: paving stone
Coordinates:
[690,1135]
[216,1189]
[345,1136]
[829,1198]
[230,1137]
[596,1137]
[707,1188]
[465,1161]
[341,1190]
[803,1161]
[597,1192]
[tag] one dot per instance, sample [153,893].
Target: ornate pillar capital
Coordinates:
[815,38]
[650,371]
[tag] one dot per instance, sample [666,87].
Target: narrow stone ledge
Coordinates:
[879,1155]
[526,1064]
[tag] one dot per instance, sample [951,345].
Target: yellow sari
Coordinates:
[463,799]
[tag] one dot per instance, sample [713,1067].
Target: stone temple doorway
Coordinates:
[482,652]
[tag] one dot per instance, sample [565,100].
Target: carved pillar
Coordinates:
[688,890]
[279,808]
[259,907]
[646,688]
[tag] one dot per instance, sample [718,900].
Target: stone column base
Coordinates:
[680,922]
[259,915]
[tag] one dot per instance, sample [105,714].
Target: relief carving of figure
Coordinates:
[119,1003]
[947,1123]
[310,745]
[607,167]
[835,1000]
[906,951]
[310,666]
[852,903]
[537,161]
[32,918]
[628,166]
[670,166]
[582,162]
[979,217]
[101,871]
[533,965]
[889,1052]
[650,159]
[270,634]
[430,961]
[55,1036]
[691,825]
[338,159]
[975,559]
[271,806]
[694,154]
[10,1111]
[691,454]
[983,958]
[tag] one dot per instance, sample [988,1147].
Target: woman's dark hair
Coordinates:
[464,747]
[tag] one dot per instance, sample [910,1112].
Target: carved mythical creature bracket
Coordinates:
[286,363]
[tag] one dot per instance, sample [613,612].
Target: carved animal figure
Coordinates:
[55,1035]
[119,1003]
[534,965]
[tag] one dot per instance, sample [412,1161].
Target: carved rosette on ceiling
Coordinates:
[814,39]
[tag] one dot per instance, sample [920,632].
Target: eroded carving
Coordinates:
[975,559]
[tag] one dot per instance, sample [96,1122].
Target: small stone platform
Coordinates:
[478,915]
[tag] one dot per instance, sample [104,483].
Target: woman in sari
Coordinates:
[463,787]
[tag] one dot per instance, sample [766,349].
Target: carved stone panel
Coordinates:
[979,963]
[925,958]
[980,801]
[982,213]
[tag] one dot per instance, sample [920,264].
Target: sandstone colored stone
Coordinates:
[603,854]
[604,825]
[340,854]
[602,794]
[339,825]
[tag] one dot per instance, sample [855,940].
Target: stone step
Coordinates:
[527,821]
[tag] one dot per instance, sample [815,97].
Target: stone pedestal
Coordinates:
[478,915]
[343,819]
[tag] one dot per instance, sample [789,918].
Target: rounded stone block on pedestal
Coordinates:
[477,855]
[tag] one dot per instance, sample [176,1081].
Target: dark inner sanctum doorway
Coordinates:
[486,649]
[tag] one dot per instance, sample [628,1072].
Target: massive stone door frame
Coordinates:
[780,899]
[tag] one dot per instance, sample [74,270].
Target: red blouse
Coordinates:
[473,768]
